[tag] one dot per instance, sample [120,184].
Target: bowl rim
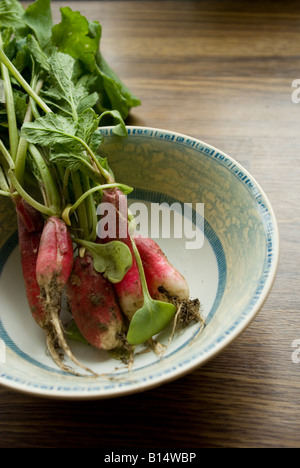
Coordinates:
[194,364]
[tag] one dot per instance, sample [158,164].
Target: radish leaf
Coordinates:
[74,36]
[149,320]
[88,123]
[38,17]
[11,14]
[113,259]
[117,122]
[49,130]
[153,316]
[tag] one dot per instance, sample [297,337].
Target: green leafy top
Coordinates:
[56,93]
[75,36]
[76,96]
[80,38]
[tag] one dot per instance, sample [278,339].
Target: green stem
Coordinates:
[36,85]
[3,182]
[35,204]
[109,178]
[22,149]
[4,193]
[49,186]
[10,109]
[91,209]
[65,181]
[81,210]
[21,160]
[87,199]
[147,297]
[97,188]
[7,156]
[34,109]
[12,69]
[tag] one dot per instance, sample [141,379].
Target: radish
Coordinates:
[30,218]
[93,305]
[129,291]
[167,284]
[30,226]
[53,268]
[163,280]
[55,258]
[152,292]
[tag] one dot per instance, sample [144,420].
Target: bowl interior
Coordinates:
[227,249]
[238,220]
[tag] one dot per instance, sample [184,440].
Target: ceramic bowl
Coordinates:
[230,265]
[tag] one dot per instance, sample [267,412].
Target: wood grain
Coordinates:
[220,71]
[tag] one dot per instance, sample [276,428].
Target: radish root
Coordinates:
[187,312]
[55,333]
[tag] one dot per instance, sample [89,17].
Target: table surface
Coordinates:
[220,71]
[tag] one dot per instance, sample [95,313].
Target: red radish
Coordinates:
[166,284]
[55,258]
[30,226]
[129,291]
[53,268]
[93,305]
[163,280]
[31,219]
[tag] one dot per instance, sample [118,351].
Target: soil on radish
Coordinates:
[188,311]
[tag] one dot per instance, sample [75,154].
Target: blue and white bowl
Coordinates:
[231,268]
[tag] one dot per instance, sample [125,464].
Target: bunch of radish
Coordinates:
[120,288]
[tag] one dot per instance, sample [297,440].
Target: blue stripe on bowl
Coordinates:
[7,249]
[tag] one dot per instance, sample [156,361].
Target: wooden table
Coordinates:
[220,71]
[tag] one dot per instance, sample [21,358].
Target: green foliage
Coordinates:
[149,320]
[112,259]
[71,49]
